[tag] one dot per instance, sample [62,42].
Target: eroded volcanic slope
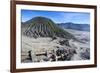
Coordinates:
[44,27]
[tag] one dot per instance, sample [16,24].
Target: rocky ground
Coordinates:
[48,49]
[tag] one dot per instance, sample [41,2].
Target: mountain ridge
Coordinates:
[44,27]
[70,25]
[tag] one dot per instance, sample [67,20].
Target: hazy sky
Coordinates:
[57,17]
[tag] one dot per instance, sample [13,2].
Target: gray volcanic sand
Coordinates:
[41,45]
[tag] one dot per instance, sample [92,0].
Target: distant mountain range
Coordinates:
[81,27]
